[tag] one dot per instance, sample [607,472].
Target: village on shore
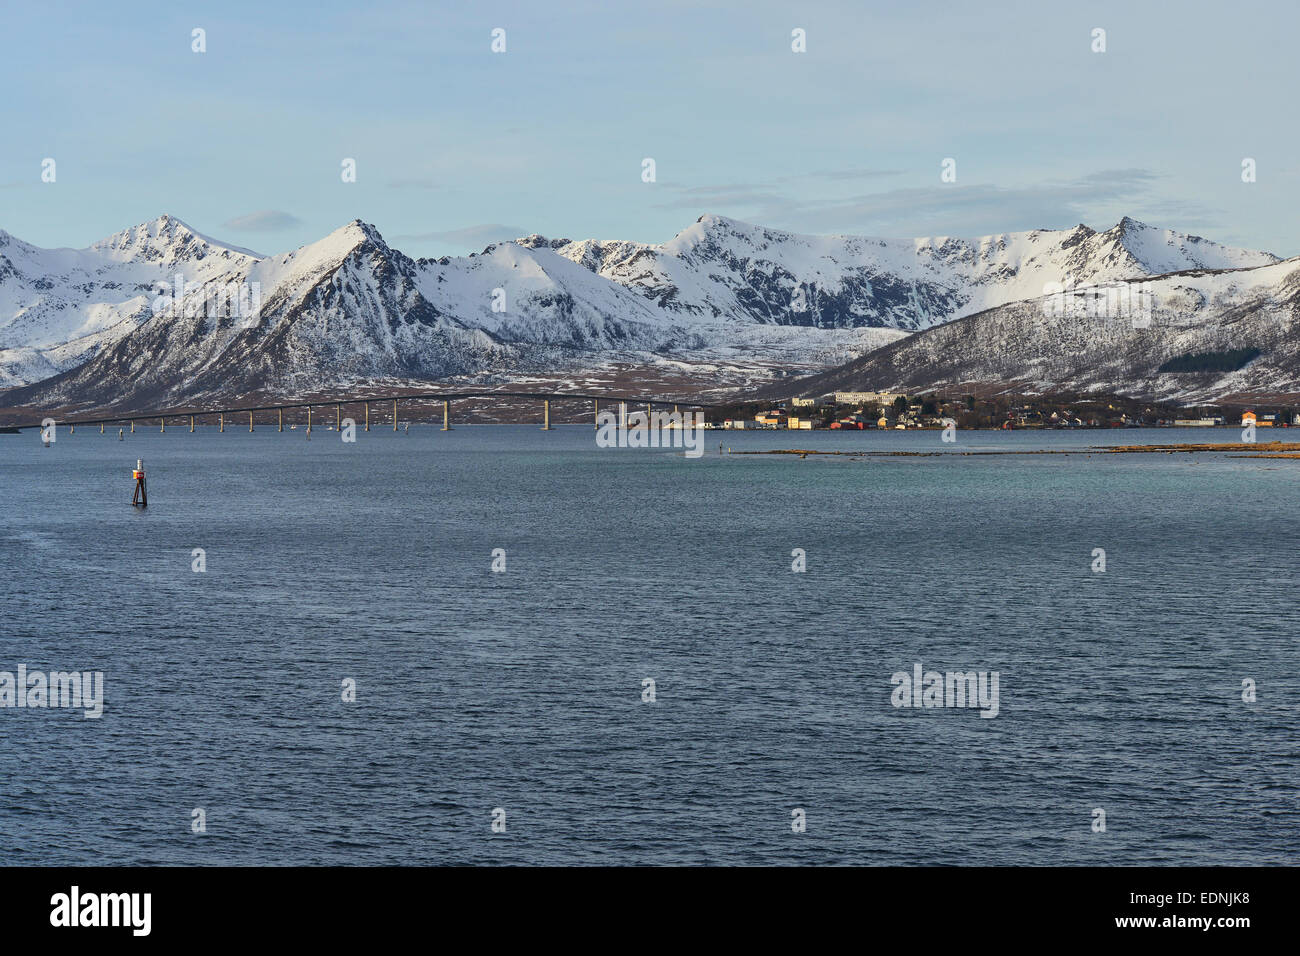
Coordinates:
[894,410]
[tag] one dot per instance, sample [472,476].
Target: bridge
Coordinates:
[339,402]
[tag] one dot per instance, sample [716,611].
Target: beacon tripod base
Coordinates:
[141,497]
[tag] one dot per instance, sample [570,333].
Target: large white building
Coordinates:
[864,398]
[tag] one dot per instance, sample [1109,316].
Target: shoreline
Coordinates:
[1275,449]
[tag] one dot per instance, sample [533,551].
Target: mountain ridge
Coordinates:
[85,327]
[1033,346]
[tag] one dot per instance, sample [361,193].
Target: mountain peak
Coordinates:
[533,241]
[165,239]
[710,228]
[167,220]
[1160,251]
[358,231]
[339,245]
[712,221]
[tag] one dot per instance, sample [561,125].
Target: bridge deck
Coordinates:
[357,400]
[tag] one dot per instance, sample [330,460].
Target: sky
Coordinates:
[456,146]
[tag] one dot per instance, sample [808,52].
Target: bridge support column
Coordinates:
[394,414]
[446,415]
[133,426]
[250,421]
[72,429]
[281,411]
[162,425]
[191,424]
[596,409]
[101,428]
[546,414]
[622,416]
[338,417]
[221,422]
[367,416]
[308,421]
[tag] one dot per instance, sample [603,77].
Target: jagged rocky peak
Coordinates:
[535,241]
[165,240]
[1164,250]
[1078,235]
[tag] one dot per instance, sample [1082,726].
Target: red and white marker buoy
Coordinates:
[141,497]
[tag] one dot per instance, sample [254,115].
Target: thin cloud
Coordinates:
[264,220]
[474,237]
[1101,197]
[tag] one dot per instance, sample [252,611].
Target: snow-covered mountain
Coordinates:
[60,306]
[86,326]
[720,267]
[1082,342]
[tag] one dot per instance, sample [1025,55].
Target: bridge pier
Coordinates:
[191,424]
[101,428]
[162,425]
[221,422]
[133,426]
[281,424]
[394,414]
[622,416]
[446,415]
[546,414]
[367,416]
[250,421]
[308,421]
[596,408]
[338,417]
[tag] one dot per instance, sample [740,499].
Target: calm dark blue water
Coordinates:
[522,690]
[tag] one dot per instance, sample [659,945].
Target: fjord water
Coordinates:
[522,690]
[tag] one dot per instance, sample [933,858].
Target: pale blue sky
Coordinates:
[456,146]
